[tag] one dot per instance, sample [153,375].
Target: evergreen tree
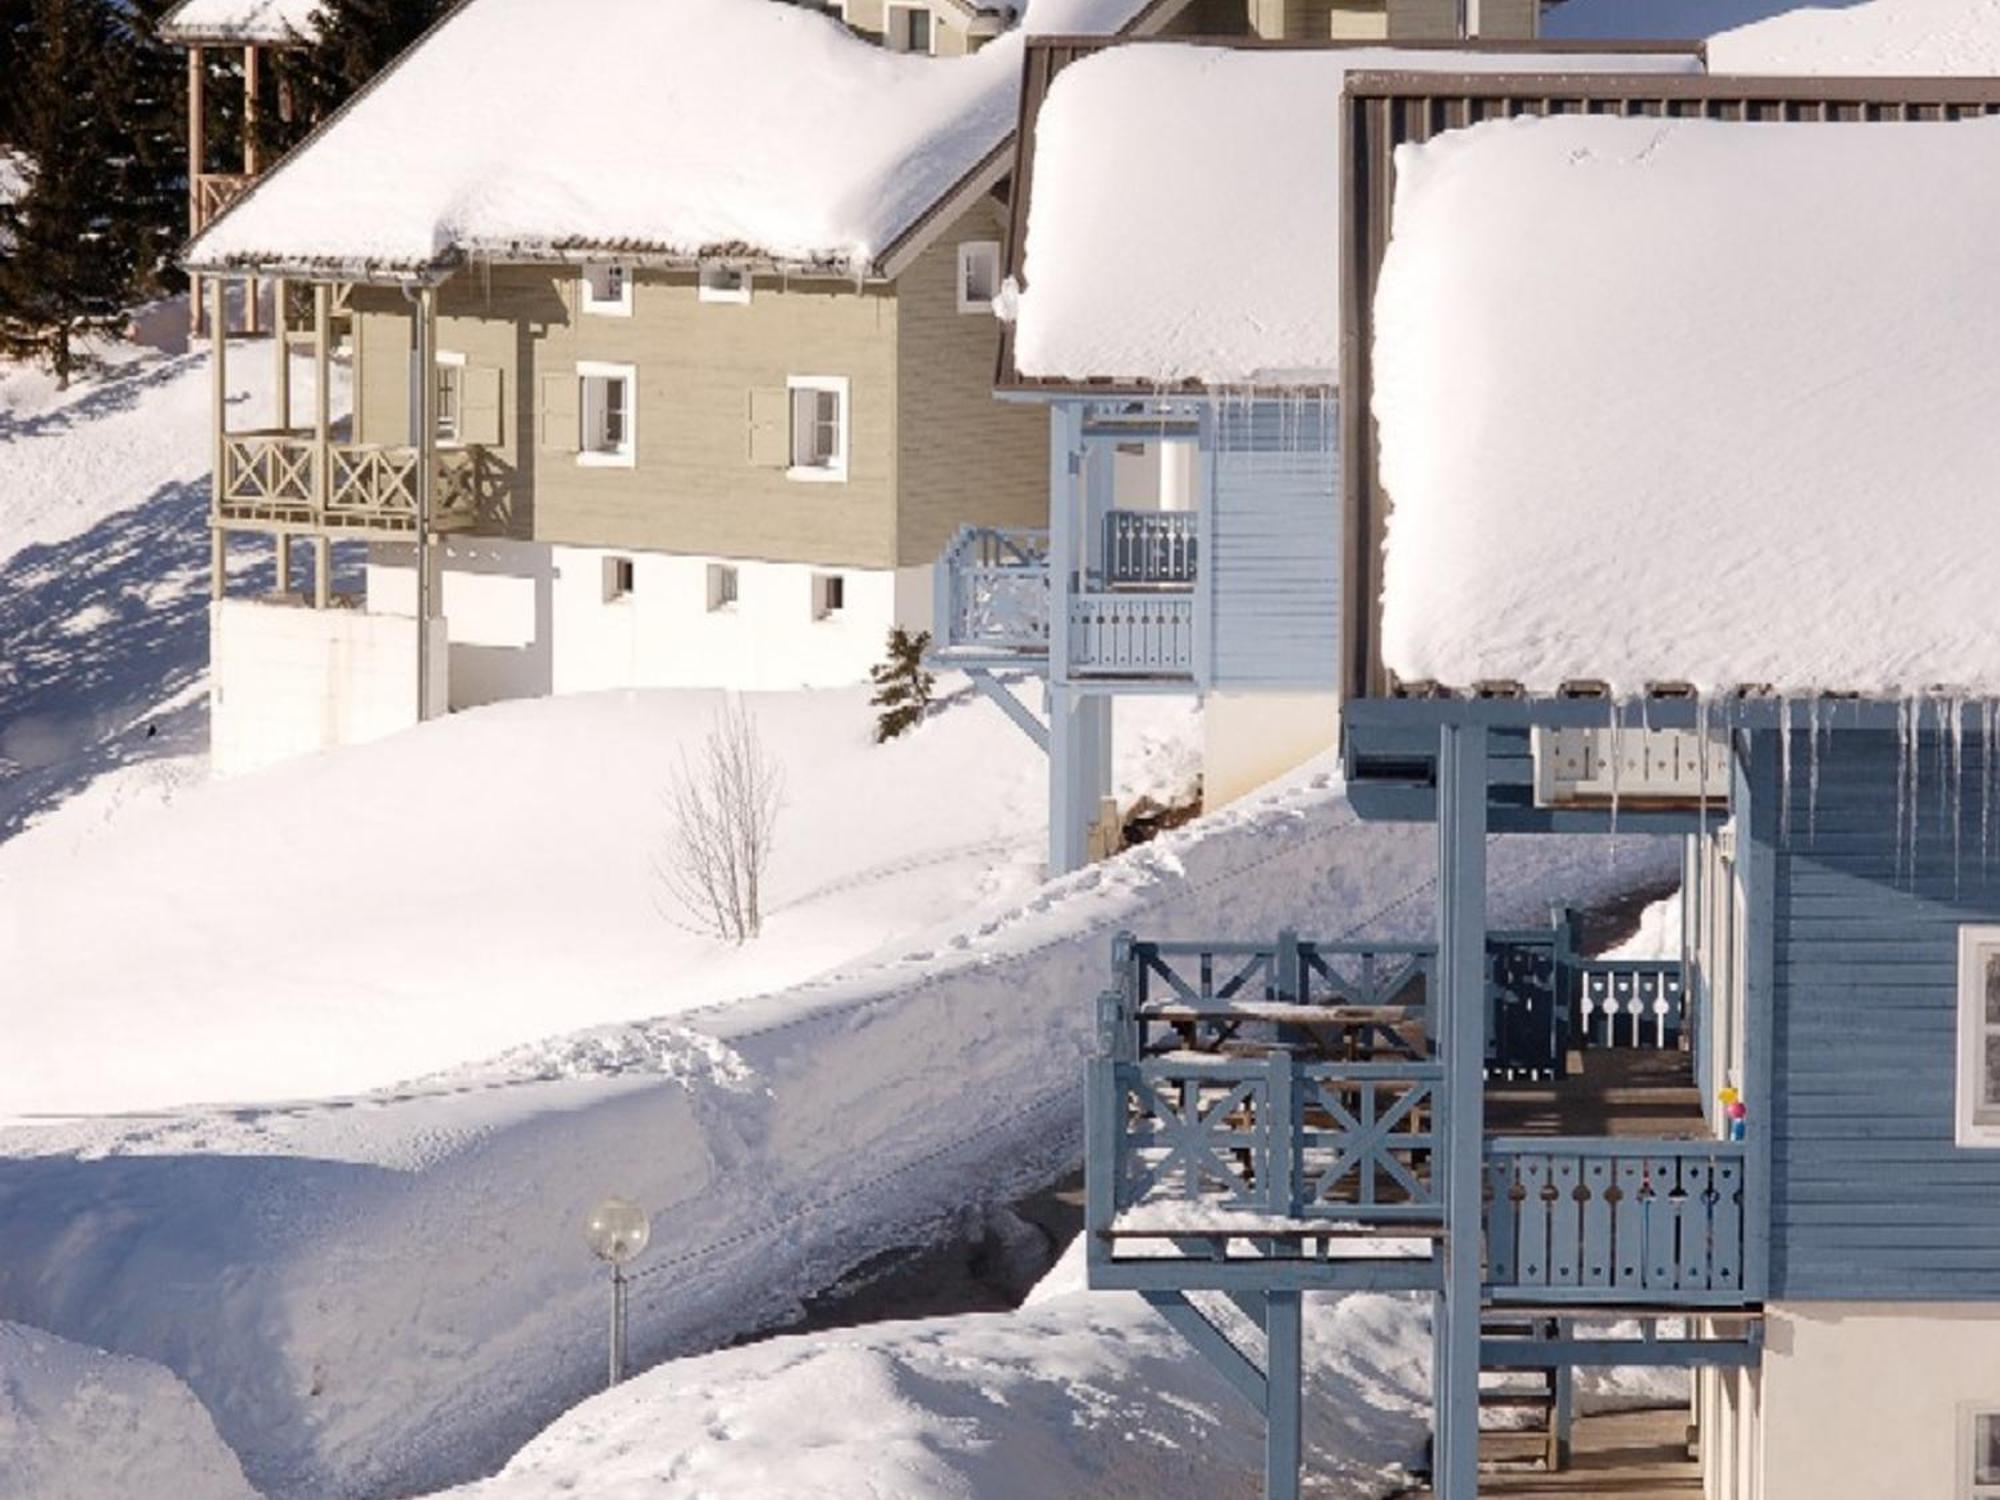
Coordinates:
[69,267]
[147,96]
[902,687]
[15,16]
[356,39]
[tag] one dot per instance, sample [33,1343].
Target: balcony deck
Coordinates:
[1632,1455]
[1617,1094]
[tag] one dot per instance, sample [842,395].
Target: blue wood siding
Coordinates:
[1276,549]
[1872,1200]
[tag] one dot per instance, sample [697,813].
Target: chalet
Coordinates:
[1667,477]
[1192,523]
[657,399]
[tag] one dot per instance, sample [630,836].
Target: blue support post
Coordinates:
[1755,800]
[1462,973]
[1284,1446]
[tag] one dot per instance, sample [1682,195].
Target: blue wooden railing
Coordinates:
[1630,1222]
[992,589]
[1149,548]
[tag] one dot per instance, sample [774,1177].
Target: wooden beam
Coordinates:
[322,469]
[251,155]
[1284,1378]
[218,379]
[426,377]
[281,353]
[197,154]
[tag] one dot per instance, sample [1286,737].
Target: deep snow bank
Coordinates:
[390,1292]
[80,1424]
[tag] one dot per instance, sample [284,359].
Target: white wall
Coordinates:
[287,680]
[527,619]
[1863,1401]
[1249,739]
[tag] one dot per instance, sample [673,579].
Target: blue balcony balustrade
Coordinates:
[993,592]
[1149,549]
[1630,1222]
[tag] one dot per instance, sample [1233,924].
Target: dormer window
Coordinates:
[978,275]
[607,290]
[723,282]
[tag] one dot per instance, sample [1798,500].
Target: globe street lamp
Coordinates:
[616,1231]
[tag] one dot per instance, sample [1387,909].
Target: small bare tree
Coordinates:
[724,804]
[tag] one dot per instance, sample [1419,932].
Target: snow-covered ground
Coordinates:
[79,1424]
[386,1291]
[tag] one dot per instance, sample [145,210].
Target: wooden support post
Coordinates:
[218,386]
[252,316]
[1066,829]
[197,156]
[1283,1394]
[282,583]
[281,351]
[426,378]
[322,461]
[1461,960]
[1758,788]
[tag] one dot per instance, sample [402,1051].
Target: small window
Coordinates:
[829,595]
[907,28]
[720,282]
[1982,1454]
[607,289]
[605,395]
[721,587]
[1979,1036]
[617,579]
[978,275]
[819,426]
[447,395]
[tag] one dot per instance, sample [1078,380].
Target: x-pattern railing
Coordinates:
[269,477]
[1366,1137]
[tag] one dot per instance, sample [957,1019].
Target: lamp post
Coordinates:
[616,1231]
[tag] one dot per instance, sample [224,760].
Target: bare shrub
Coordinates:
[724,803]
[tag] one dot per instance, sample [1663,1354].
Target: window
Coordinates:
[607,289]
[978,275]
[819,426]
[907,28]
[618,578]
[1979,1036]
[448,394]
[724,283]
[1980,1443]
[829,595]
[606,419]
[721,586]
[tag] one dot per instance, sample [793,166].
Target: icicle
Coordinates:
[1944,792]
[1784,770]
[1701,764]
[1902,779]
[1814,707]
[1986,712]
[1617,738]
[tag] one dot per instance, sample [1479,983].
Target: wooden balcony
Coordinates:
[1249,1096]
[285,481]
[214,192]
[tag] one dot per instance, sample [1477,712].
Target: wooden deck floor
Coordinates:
[1639,1455]
[1618,1093]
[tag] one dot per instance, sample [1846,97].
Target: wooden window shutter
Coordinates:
[479,406]
[558,414]
[770,429]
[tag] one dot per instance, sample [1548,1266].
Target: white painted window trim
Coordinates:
[1975,942]
[706,293]
[966,250]
[836,471]
[888,26]
[606,307]
[1969,1487]
[456,361]
[627,454]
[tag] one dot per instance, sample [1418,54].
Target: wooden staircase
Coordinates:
[1524,1408]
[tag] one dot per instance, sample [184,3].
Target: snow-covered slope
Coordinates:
[378,1293]
[359,918]
[80,1424]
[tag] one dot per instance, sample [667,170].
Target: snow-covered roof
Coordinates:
[1908,38]
[1693,402]
[684,128]
[272,21]
[1184,216]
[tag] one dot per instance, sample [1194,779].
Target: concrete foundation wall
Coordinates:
[1249,739]
[1867,1401]
[527,619]
[288,680]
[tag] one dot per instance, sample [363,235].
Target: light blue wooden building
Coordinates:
[1774,1160]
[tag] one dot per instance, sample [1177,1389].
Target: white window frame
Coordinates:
[823,587]
[740,296]
[1970,1487]
[835,471]
[966,251]
[889,27]
[1978,1119]
[607,307]
[717,605]
[626,454]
